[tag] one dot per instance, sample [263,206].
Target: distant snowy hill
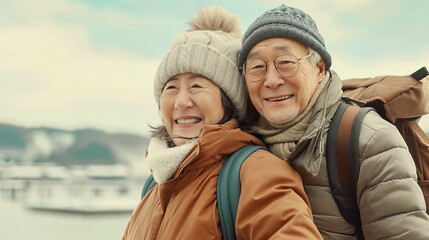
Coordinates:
[79,147]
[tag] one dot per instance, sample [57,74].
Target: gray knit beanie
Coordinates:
[210,48]
[286,22]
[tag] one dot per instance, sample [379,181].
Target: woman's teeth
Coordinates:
[188,121]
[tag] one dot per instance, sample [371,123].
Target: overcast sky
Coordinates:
[76,63]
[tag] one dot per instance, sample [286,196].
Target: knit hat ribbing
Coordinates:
[287,22]
[210,48]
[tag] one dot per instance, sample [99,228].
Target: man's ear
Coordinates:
[321,72]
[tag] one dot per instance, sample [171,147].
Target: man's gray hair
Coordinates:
[315,58]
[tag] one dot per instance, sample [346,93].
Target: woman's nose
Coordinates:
[183,100]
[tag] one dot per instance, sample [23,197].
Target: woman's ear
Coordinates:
[160,115]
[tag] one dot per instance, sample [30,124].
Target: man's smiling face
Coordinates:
[277,98]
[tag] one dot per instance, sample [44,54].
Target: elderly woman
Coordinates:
[201,94]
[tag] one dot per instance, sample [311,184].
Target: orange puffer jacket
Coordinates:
[272,204]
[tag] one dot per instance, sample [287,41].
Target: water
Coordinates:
[19,223]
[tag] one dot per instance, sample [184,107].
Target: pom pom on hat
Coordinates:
[216,18]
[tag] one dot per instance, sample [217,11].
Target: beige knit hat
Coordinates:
[209,48]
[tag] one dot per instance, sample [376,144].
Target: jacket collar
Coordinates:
[212,145]
[215,143]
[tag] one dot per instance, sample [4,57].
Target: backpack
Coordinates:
[391,97]
[228,189]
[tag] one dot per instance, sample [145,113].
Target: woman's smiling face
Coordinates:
[188,102]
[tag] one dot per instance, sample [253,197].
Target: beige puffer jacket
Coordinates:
[390,200]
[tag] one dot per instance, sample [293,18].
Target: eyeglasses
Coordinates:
[286,65]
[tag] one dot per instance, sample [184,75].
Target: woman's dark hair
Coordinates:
[229,112]
[250,119]
[161,132]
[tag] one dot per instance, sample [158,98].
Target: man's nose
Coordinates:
[272,78]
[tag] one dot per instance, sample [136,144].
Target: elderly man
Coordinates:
[288,76]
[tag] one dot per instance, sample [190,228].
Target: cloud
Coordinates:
[24,10]
[52,72]
[49,73]
[59,10]
[348,67]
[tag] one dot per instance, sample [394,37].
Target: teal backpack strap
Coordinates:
[148,185]
[342,160]
[228,189]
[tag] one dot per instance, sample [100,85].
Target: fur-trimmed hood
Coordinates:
[164,161]
[212,145]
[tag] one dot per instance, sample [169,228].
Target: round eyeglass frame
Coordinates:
[243,68]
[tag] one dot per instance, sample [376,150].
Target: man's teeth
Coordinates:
[187,121]
[279,98]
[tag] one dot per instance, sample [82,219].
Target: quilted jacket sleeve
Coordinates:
[273,204]
[390,201]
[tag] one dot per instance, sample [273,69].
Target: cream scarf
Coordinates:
[283,138]
[164,161]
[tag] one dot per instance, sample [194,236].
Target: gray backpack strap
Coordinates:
[343,165]
[229,189]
